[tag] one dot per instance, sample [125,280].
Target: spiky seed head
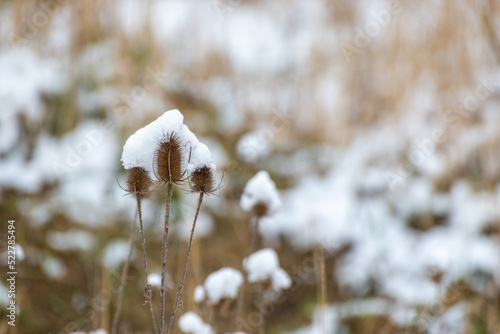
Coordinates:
[139,182]
[202,180]
[168,159]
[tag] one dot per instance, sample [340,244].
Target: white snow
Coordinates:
[53,268]
[204,226]
[199,294]
[260,189]
[263,266]
[253,146]
[115,254]
[154,279]
[200,157]
[70,240]
[223,283]
[139,149]
[190,322]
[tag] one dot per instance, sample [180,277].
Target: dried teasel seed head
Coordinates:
[202,180]
[139,182]
[168,160]
[260,209]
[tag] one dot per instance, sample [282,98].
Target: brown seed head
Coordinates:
[168,160]
[202,180]
[260,209]
[139,182]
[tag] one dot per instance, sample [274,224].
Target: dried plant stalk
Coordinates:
[147,287]
[181,286]
[124,278]
[164,256]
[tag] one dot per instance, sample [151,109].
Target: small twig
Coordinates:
[147,287]
[124,278]
[164,256]
[179,292]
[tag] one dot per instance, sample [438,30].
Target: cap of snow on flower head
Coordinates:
[223,284]
[165,148]
[263,266]
[260,196]
[190,322]
[139,149]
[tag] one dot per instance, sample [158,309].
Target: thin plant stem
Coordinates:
[323,287]
[181,286]
[237,307]
[124,277]
[147,287]
[164,256]
[320,273]
[262,323]
[255,235]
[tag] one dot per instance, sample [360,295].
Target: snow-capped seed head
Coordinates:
[260,196]
[202,180]
[139,182]
[263,268]
[222,284]
[168,159]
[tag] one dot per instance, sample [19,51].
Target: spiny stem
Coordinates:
[164,255]
[147,287]
[124,277]
[179,292]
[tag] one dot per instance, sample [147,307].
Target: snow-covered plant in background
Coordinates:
[263,268]
[260,198]
[222,286]
[267,276]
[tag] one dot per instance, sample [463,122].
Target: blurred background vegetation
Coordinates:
[297,88]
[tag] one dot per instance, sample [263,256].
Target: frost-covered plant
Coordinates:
[260,198]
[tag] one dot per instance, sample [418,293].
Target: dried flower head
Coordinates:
[139,182]
[202,180]
[260,209]
[168,160]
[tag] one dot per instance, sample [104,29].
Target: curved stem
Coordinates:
[124,278]
[147,287]
[164,255]
[179,292]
